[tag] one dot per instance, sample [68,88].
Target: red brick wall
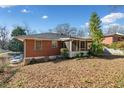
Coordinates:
[118,38]
[111,39]
[46,49]
[108,40]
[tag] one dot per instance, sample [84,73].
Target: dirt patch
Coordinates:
[94,72]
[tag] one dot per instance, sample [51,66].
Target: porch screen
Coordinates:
[67,45]
[82,44]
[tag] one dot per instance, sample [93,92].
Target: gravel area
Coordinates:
[85,72]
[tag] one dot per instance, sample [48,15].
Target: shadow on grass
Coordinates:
[3,84]
[110,57]
[35,61]
[61,60]
[57,60]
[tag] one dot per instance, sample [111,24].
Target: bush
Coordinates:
[113,45]
[117,45]
[89,53]
[120,45]
[64,53]
[33,61]
[96,49]
[79,55]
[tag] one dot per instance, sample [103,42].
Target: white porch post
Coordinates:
[76,45]
[70,48]
[79,45]
[85,45]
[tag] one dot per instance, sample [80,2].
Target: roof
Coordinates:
[119,34]
[47,36]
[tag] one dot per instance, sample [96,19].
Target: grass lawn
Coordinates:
[85,72]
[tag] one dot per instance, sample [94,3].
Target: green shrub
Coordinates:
[113,45]
[96,49]
[33,61]
[64,53]
[117,45]
[120,45]
[89,53]
[79,55]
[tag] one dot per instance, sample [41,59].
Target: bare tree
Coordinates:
[112,29]
[80,33]
[3,37]
[28,29]
[65,29]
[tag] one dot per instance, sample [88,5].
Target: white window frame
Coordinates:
[36,45]
[54,42]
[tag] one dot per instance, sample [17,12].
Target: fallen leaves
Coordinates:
[95,72]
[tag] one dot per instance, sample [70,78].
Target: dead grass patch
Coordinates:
[94,72]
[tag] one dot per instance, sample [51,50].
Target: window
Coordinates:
[63,45]
[54,44]
[119,38]
[82,44]
[38,45]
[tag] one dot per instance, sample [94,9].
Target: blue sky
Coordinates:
[41,18]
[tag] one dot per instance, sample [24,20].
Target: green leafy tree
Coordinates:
[96,34]
[16,45]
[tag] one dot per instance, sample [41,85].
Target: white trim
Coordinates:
[35,57]
[60,39]
[22,39]
[64,39]
[43,57]
[120,34]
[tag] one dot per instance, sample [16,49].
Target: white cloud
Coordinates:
[87,24]
[44,17]
[6,6]
[25,11]
[112,17]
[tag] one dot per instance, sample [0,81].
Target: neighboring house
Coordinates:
[109,39]
[49,45]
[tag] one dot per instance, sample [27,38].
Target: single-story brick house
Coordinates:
[49,45]
[109,39]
